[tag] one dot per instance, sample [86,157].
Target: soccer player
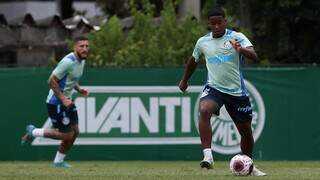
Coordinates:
[61,109]
[223,50]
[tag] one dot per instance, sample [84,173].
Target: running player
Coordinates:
[61,109]
[223,50]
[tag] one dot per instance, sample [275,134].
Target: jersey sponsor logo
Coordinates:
[220,58]
[226,139]
[244,109]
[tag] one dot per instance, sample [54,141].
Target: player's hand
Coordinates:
[235,44]
[84,92]
[67,103]
[183,85]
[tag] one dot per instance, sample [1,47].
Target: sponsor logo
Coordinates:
[144,115]
[115,115]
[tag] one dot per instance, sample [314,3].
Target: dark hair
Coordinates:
[216,11]
[80,38]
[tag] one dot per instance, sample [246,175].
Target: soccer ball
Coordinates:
[241,165]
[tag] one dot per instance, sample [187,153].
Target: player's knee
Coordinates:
[76,133]
[204,111]
[68,137]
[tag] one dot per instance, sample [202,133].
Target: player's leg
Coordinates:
[210,103]
[206,109]
[64,147]
[56,115]
[32,132]
[67,143]
[246,142]
[67,139]
[239,108]
[73,131]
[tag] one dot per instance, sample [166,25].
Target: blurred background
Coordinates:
[146,43]
[283,32]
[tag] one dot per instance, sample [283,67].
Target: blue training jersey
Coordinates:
[223,61]
[69,71]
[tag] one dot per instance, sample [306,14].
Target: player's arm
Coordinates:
[190,68]
[60,72]
[54,85]
[83,92]
[247,51]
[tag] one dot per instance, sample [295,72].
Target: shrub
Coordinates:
[168,44]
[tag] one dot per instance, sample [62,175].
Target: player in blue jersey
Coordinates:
[61,109]
[223,50]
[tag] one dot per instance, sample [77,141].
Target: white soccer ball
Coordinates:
[241,165]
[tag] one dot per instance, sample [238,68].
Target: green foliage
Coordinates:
[104,43]
[206,8]
[52,61]
[283,31]
[167,44]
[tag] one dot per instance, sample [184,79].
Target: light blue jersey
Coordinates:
[223,61]
[69,71]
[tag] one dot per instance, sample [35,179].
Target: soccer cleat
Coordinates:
[62,164]
[28,137]
[207,163]
[257,172]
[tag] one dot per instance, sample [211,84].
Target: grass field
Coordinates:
[92,170]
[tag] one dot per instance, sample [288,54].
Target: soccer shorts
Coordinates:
[63,118]
[238,107]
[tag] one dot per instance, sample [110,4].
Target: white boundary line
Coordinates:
[123,141]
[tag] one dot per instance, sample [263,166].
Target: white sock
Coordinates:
[207,153]
[59,157]
[38,132]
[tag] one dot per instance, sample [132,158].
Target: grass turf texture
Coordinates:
[92,170]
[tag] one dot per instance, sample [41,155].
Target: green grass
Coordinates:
[92,170]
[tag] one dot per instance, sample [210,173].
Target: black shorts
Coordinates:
[238,107]
[63,118]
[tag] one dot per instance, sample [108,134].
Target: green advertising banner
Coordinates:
[140,114]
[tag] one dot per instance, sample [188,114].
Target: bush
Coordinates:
[168,44]
[104,43]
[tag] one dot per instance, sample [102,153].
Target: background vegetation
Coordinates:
[283,32]
[146,44]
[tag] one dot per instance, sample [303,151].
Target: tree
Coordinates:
[121,8]
[167,44]
[282,31]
